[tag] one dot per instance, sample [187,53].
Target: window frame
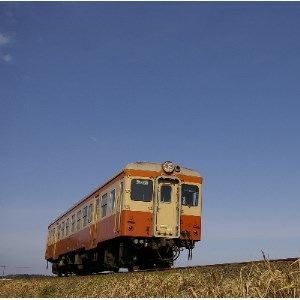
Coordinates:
[104,199]
[170,193]
[78,224]
[58,231]
[73,222]
[133,196]
[63,229]
[67,226]
[97,206]
[198,194]
[84,216]
[90,212]
[112,204]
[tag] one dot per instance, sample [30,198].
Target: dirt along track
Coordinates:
[265,278]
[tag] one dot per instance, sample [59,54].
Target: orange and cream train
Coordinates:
[139,219]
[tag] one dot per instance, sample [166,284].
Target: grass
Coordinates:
[257,279]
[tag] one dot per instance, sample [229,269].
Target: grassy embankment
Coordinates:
[259,279]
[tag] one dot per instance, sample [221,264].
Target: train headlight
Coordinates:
[168,167]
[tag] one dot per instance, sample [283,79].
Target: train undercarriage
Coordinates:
[130,253]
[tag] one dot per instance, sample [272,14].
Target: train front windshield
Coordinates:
[141,190]
[189,195]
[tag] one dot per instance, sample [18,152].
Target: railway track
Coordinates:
[231,264]
[263,278]
[211,266]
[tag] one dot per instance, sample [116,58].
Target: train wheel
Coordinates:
[163,264]
[132,268]
[115,270]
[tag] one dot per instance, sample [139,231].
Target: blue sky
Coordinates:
[86,88]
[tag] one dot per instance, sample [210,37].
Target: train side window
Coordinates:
[189,195]
[73,223]
[165,193]
[67,227]
[58,231]
[141,190]
[62,229]
[78,220]
[104,205]
[112,200]
[85,216]
[90,213]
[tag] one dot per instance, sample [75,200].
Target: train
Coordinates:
[139,219]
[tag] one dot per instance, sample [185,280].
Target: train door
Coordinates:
[167,208]
[118,213]
[52,249]
[93,222]
[55,241]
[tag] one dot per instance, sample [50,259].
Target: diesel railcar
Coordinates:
[141,218]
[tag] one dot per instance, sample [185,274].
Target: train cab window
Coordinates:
[104,205]
[141,190]
[189,195]
[85,216]
[112,200]
[67,226]
[90,213]
[73,223]
[165,193]
[78,220]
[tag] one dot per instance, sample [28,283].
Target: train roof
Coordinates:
[156,167]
